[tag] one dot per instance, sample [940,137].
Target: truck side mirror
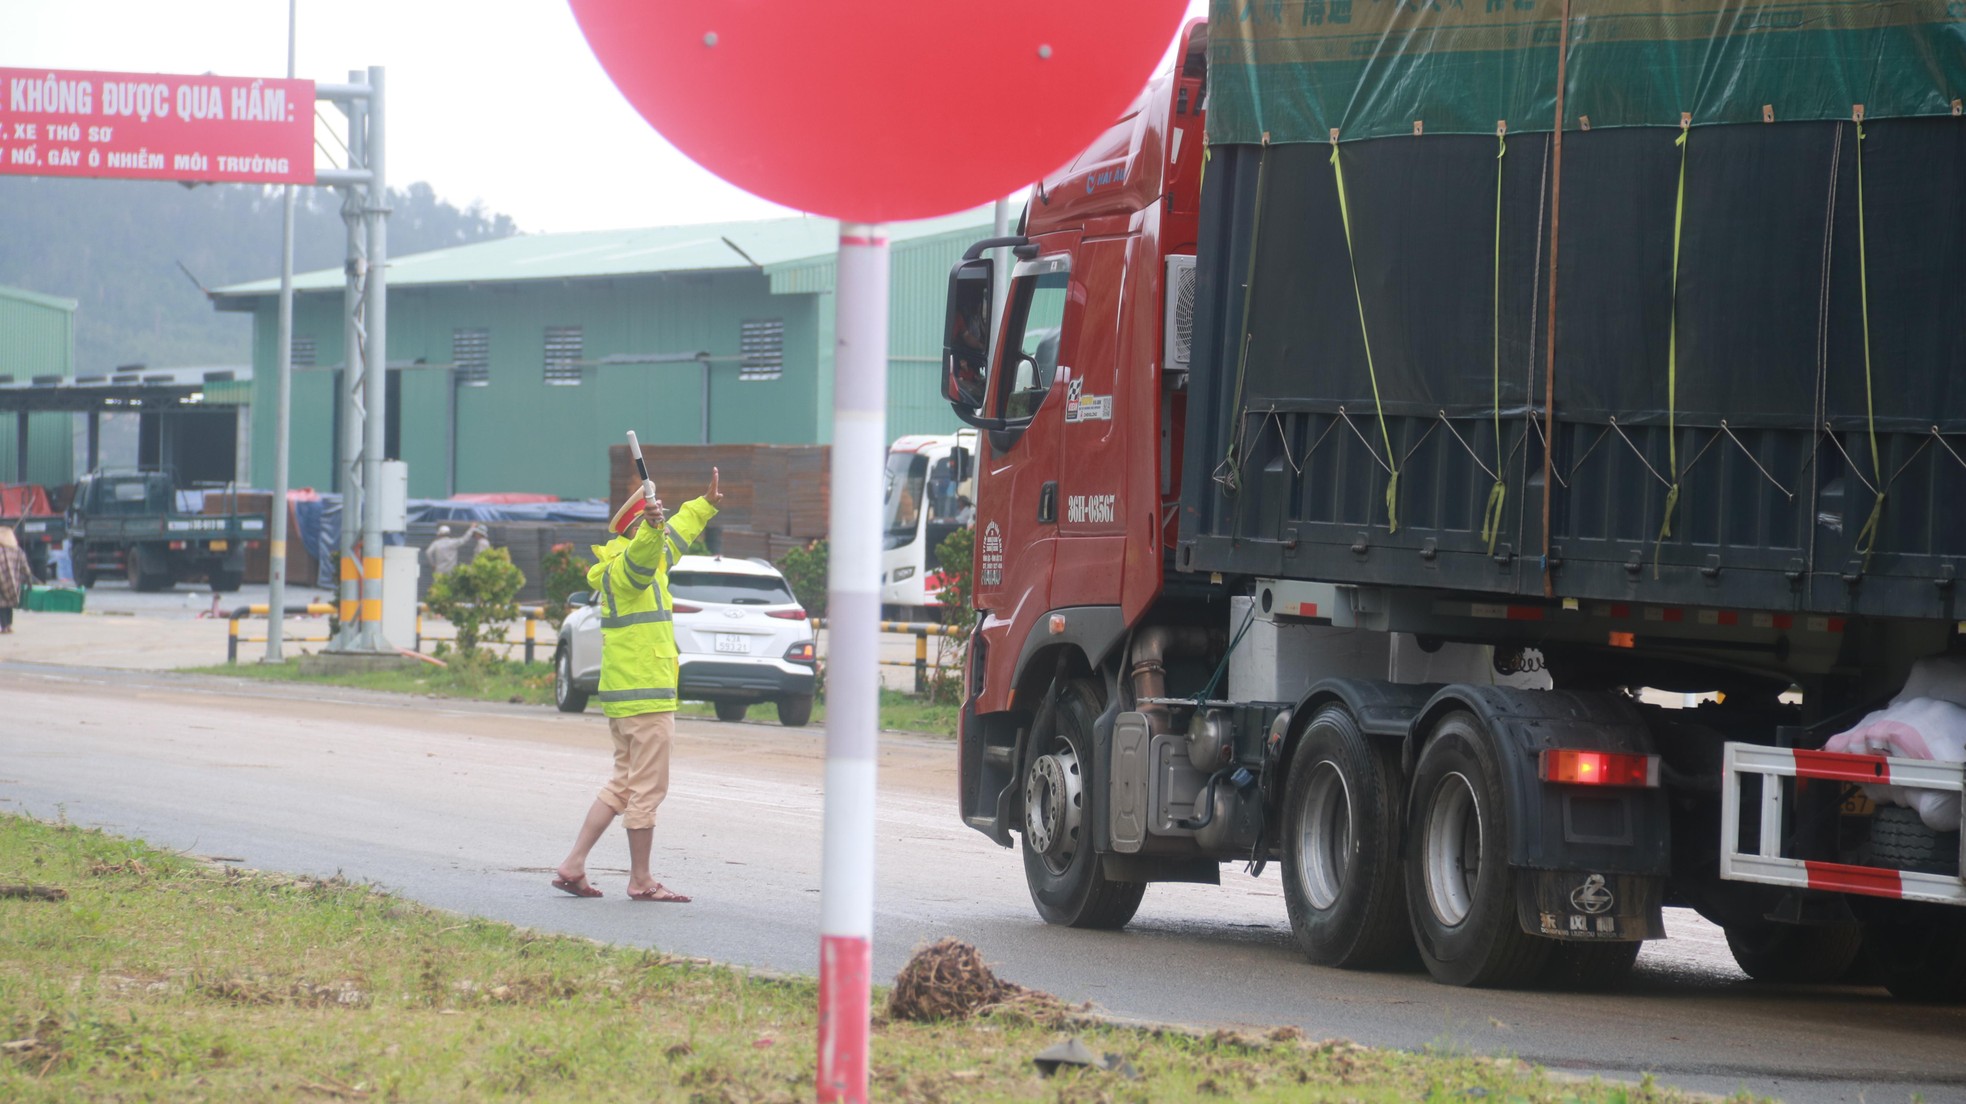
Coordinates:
[966,335]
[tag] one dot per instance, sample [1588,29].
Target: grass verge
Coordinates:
[899,711]
[160,978]
[500,681]
[532,684]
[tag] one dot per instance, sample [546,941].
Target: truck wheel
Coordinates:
[1919,951]
[1899,839]
[139,578]
[731,710]
[567,697]
[1341,867]
[1459,888]
[1792,954]
[85,576]
[794,712]
[1066,882]
[1587,967]
[225,582]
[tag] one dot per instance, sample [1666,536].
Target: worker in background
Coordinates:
[475,541]
[15,577]
[441,553]
[630,578]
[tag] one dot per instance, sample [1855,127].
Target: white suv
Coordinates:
[741,635]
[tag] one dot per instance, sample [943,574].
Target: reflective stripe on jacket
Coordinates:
[638,641]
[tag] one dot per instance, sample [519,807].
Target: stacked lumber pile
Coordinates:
[776,497]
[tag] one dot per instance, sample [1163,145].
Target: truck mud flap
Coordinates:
[1574,905]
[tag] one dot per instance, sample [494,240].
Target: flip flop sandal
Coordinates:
[579,889]
[660,894]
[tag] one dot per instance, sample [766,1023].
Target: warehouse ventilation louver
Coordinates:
[301,352]
[471,356]
[762,345]
[563,351]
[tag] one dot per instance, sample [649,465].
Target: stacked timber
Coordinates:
[775,496]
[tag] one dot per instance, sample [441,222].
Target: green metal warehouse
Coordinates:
[37,345]
[511,359]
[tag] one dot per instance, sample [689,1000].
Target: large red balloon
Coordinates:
[874,110]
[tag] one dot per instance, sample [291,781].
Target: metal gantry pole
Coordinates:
[276,555]
[375,357]
[853,667]
[350,393]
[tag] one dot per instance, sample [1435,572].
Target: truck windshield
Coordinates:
[129,496]
[907,474]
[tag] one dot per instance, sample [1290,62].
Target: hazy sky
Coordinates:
[493,100]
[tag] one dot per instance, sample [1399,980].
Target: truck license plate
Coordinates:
[220,546]
[733,642]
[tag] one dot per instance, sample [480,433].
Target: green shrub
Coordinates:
[957,555]
[478,598]
[566,573]
[805,571]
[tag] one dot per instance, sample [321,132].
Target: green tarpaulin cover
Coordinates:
[1298,70]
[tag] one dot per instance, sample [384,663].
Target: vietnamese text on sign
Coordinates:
[148,126]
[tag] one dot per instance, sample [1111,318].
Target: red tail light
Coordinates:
[1598,768]
[789,615]
[685,607]
[800,653]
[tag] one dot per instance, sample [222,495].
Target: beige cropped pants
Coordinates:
[641,766]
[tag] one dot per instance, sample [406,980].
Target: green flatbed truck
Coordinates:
[128,523]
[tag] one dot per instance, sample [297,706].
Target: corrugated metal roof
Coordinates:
[55,301]
[770,244]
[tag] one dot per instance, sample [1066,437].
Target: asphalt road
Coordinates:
[467,806]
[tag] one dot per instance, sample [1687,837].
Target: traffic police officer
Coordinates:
[630,579]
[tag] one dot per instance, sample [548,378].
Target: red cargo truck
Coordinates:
[1359,474]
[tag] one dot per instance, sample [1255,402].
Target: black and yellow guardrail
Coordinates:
[533,616]
[921,630]
[233,639]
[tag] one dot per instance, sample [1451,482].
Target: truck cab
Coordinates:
[1080,414]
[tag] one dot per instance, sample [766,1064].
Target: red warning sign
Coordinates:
[151,126]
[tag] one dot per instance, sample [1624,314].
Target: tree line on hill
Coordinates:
[129,252]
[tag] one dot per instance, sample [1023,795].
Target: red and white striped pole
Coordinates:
[853,613]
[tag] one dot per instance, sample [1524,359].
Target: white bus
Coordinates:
[930,491]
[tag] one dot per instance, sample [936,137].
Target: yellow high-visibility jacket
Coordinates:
[638,640]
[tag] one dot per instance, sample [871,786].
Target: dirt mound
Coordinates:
[948,980]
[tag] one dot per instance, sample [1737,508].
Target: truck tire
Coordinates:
[1919,951]
[1064,875]
[140,579]
[794,712]
[1899,839]
[225,582]
[731,710]
[85,576]
[1341,866]
[567,696]
[1794,954]
[1588,967]
[1460,890]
